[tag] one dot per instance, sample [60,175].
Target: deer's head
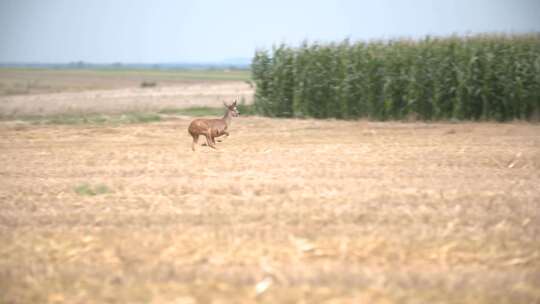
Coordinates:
[232,109]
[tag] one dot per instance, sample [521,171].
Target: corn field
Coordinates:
[482,77]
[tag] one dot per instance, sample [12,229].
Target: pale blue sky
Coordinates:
[210,31]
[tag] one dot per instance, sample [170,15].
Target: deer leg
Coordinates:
[194,143]
[210,141]
[223,133]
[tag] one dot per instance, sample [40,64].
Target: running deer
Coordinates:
[212,128]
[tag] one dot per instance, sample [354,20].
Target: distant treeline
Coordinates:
[129,66]
[483,77]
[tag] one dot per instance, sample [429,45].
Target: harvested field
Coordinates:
[20,81]
[53,92]
[286,211]
[121,100]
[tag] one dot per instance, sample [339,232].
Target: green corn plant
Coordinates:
[482,77]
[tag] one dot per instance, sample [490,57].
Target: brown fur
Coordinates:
[212,128]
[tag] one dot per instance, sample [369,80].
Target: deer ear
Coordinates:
[225,104]
[234,103]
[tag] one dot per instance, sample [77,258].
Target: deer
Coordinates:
[212,128]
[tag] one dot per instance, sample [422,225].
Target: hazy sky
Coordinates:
[210,31]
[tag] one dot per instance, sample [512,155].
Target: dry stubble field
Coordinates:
[287,211]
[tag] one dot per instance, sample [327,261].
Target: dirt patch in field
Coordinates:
[284,211]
